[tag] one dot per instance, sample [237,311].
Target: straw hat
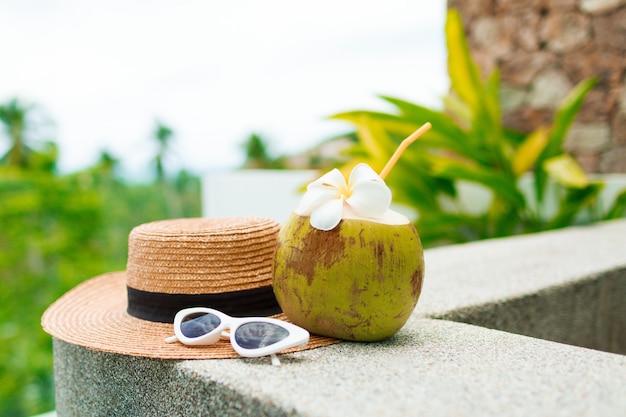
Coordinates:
[222,263]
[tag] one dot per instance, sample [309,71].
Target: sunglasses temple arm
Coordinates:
[275,360]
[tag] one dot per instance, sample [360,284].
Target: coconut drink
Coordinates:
[346,265]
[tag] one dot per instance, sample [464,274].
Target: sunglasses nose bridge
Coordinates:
[231,324]
[228,327]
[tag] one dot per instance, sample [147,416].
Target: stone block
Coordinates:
[492,34]
[610,31]
[614,160]
[512,6]
[618,123]
[525,28]
[565,32]
[618,126]
[512,98]
[622,95]
[548,89]
[590,162]
[561,5]
[470,10]
[597,106]
[605,64]
[521,68]
[527,118]
[600,6]
[588,137]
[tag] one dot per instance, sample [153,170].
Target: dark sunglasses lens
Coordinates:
[199,324]
[255,335]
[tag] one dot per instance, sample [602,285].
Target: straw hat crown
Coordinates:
[202,255]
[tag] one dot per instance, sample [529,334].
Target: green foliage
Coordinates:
[258,155]
[468,149]
[19,122]
[55,232]
[163,136]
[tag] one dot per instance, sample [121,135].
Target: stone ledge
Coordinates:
[430,368]
[589,313]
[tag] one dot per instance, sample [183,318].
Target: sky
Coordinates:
[215,71]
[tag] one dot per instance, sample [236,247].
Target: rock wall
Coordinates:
[544,48]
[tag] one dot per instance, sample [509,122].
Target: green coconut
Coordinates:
[359,281]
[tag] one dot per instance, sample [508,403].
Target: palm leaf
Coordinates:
[498,183]
[566,171]
[563,118]
[462,70]
[618,209]
[529,150]
[574,200]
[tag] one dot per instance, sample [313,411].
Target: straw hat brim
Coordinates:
[93,315]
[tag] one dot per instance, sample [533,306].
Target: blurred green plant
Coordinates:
[163,136]
[48,240]
[55,232]
[20,126]
[59,230]
[258,155]
[470,156]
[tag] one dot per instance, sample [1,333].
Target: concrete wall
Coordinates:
[590,313]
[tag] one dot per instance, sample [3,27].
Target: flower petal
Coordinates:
[370,198]
[328,215]
[362,172]
[315,196]
[332,178]
[370,195]
[328,186]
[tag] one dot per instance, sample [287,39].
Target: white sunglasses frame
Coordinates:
[297,335]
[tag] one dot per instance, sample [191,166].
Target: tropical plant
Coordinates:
[19,124]
[50,238]
[171,200]
[258,155]
[55,232]
[527,180]
[13,115]
[163,136]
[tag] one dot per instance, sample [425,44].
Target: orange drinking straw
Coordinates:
[403,145]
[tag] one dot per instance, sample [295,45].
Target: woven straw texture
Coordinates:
[202,255]
[182,256]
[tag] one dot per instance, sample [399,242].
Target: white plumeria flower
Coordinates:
[365,193]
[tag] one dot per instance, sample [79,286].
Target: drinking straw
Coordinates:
[403,145]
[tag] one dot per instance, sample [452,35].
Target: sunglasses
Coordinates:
[251,337]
